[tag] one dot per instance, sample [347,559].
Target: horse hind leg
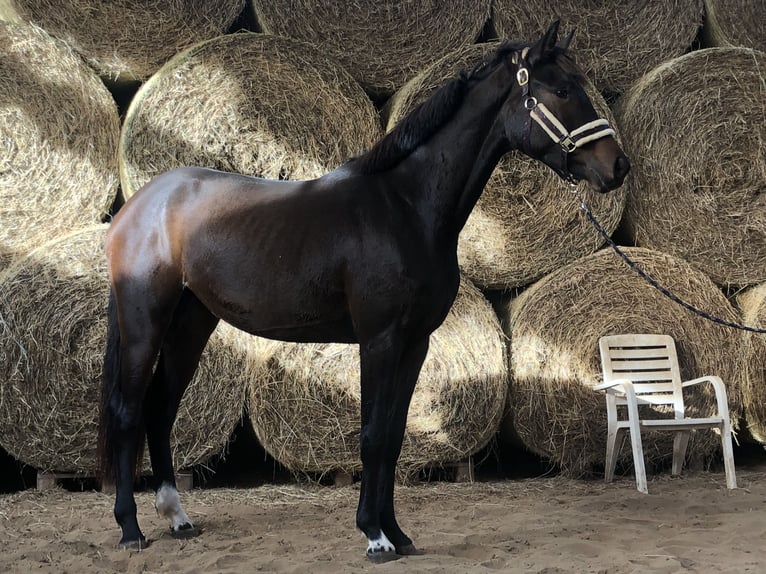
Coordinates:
[182,347]
[133,344]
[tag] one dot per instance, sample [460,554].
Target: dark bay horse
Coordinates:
[365,254]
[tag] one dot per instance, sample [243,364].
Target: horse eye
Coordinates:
[562,93]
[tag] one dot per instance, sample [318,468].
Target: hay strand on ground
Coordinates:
[735,23]
[695,129]
[52,340]
[615,42]
[554,329]
[58,142]
[527,222]
[305,409]
[248,103]
[125,40]
[382,44]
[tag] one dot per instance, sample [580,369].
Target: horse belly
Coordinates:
[284,313]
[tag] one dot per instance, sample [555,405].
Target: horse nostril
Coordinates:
[621,167]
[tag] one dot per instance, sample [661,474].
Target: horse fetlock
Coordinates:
[380,549]
[133,542]
[168,504]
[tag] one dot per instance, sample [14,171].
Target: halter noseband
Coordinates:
[569,141]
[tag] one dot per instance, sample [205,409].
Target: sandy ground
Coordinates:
[546,525]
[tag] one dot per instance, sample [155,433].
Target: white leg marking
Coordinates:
[168,504]
[380,544]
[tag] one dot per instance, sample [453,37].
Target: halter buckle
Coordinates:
[568,144]
[522,76]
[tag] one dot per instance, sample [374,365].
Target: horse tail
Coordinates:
[111,397]
[109,384]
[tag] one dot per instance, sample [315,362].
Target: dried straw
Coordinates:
[617,42]
[526,223]
[382,44]
[305,408]
[58,142]
[555,326]
[695,129]
[735,23]
[248,103]
[753,308]
[127,40]
[52,340]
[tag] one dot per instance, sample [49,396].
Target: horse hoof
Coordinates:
[408,550]
[138,545]
[382,556]
[185,531]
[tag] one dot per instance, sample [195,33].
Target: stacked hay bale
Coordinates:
[735,23]
[752,304]
[695,129]
[59,130]
[616,42]
[248,103]
[554,329]
[127,39]
[383,44]
[52,340]
[527,222]
[305,408]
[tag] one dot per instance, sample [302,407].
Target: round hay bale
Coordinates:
[616,42]
[128,40]
[527,222]
[248,103]
[695,129]
[382,44]
[52,341]
[305,407]
[59,130]
[735,23]
[554,329]
[752,304]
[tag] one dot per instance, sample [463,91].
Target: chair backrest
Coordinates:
[649,362]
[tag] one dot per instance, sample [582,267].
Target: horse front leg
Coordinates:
[389,371]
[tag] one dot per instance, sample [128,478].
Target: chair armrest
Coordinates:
[610,384]
[718,387]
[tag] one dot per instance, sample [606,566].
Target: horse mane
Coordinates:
[427,117]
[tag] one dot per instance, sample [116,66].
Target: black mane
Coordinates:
[426,118]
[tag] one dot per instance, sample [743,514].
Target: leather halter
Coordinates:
[568,140]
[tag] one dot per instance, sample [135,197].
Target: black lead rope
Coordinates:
[652,281]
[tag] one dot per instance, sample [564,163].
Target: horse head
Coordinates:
[549,117]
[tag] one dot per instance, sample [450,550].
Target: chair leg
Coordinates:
[612,452]
[680,442]
[728,455]
[635,441]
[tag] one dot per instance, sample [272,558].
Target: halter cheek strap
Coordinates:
[569,141]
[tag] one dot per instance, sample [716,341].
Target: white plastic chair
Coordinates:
[643,370]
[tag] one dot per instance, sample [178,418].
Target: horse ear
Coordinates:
[567,41]
[545,44]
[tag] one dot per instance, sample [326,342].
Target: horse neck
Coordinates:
[452,164]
